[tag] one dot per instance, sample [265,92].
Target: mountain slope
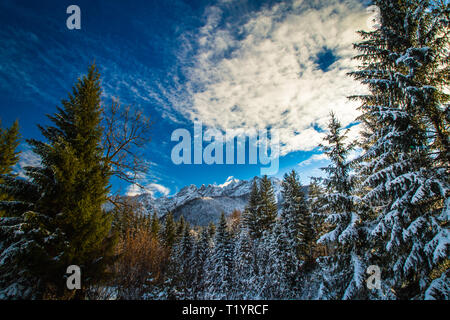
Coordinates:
[199,206]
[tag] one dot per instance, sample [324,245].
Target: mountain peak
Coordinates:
[202,205]
[230,180]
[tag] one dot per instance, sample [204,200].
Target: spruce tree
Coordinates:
[251,212]
[168,233]
[182,260]
[279,250]
[62,200]
[9,141]
[211,231]
[315,196]
[155,225]
[245,282]
[180,228]
[404,177]
[296,217]
[273,260]
[9,156]
[289,245]
[202,250]
[220,264]
[344,269]
[267,212]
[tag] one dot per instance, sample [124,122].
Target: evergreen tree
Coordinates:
[403,168]
[180,228]
[423,71]
[9,156]
[168,234]
[155,225]
[289,245]
[234,222]
[245,282]
[211,230]
[296,218]
[20,250]
[182,260]
[251,213]
[202,250]
[62,201]
[315,196]
[267,205]
[271,258]
[344,270]
[9,141]
[220,264]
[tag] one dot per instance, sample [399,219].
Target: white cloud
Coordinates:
[152,188]
[313,158]
[263,72]
[134,190]
[27,158]
[159,188]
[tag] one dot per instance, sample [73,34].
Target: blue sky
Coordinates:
[230,64]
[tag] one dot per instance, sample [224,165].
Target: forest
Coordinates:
[388,209]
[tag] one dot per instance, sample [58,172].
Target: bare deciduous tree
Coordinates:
[126,132]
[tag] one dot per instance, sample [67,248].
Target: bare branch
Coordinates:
[126,132]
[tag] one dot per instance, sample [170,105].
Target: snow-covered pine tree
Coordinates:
[182,264]
[219,265]
[167,285]
[315,196]
[267,205]
[289,245]
[424,72]
[16,247]
[21,239]
[177,273]
[403,168]
[202,250]
[439,289]
[424,76]
[296,218]
[272,260]
[245,282]
[251,212]
[344,270]
[260,229]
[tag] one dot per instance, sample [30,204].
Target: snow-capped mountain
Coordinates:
[199,206]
